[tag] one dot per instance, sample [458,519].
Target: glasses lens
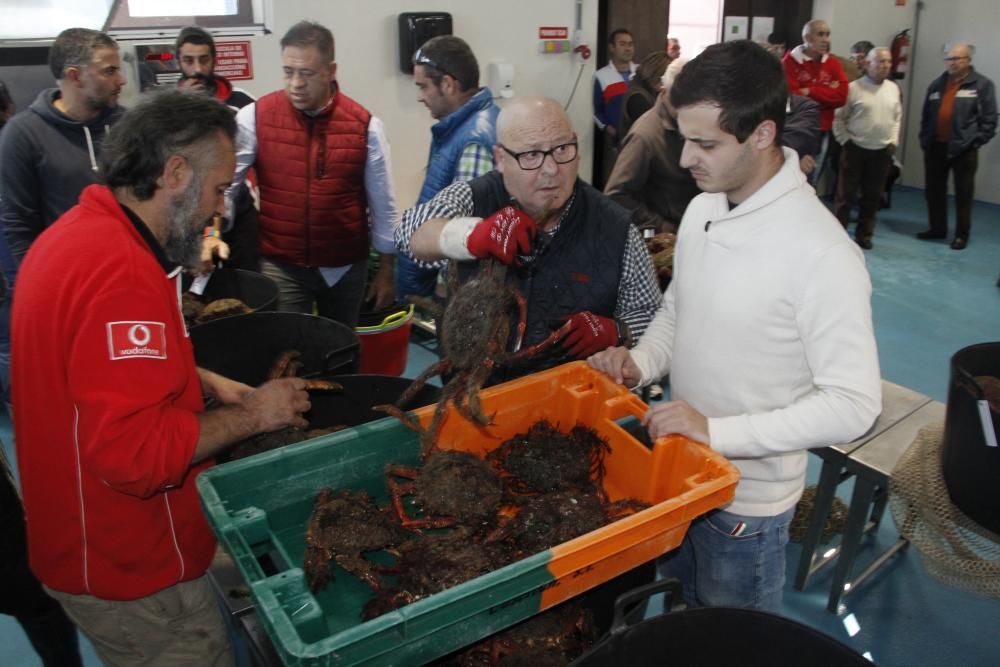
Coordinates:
[565,153]
[530,159]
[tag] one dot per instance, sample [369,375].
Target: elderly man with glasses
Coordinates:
[571,251]
[959,116]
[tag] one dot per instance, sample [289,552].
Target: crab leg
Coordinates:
[438,367]
[281,365]
[542,345]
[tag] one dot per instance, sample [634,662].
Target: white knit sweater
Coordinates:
[872,116]
[766,329]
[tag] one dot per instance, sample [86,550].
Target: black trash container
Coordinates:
[711,637]
[971,469]
[245,347]
[353,406]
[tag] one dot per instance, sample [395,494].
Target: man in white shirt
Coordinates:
[867,128]
[322,163]
[765,330]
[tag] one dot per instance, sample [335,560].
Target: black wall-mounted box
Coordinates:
[415,28]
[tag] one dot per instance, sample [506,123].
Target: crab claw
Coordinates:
[283,363]
[323,385]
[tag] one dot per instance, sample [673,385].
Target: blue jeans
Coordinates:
[720,569]
[413,279]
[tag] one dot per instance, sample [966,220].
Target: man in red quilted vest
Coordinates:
[323,170]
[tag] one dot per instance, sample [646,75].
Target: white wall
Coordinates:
[937,22]
[367,55]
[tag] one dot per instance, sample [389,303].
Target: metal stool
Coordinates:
[898,402]
[873,465]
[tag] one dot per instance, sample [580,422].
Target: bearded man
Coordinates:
[111,426]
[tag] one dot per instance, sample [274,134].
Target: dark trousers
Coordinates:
[936,168]
[51,633]
[301,290]
[865,169]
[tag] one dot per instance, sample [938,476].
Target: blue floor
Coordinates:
[929,301]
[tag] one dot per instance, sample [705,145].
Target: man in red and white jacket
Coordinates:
[812,72]
[110,423]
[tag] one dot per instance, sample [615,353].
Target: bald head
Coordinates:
[528,115]
[536,154]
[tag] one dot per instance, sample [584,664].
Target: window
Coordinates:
[133,19]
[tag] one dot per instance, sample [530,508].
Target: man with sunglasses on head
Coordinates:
[571,251]
[446,75]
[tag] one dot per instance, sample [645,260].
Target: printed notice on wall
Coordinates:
[735,27]
[233,60]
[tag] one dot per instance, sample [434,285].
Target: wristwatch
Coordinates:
[624,334]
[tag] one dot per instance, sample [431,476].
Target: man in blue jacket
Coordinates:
[959,116]
[446,75]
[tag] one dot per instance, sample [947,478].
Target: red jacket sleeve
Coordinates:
[129,430]
[830,97]
[791,75]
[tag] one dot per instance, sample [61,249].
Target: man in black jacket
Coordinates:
[196,57]
[49,152]
[959,116]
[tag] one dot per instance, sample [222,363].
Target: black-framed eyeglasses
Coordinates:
[421,58]
[531,160]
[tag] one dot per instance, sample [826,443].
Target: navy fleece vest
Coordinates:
[577,270]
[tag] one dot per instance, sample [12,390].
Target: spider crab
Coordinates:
[342,527]
[475,330]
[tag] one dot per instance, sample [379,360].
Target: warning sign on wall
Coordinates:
[233,60]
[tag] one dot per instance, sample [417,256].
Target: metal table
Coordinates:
[872,465]
[898,403]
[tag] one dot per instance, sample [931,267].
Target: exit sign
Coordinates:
[553,33]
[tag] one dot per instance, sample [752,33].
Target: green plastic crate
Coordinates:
[260,506]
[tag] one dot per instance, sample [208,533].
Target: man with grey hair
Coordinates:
[867,128]
[959,116]
[570,250]
[812,72]
[50,151]
[111,426]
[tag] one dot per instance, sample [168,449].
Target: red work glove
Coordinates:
[504,235]
[588,334]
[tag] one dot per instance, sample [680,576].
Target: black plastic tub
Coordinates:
[971,468]
[256,290]
[711,637]
[245,347]
[353,407]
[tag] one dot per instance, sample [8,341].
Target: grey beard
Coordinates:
[183,241]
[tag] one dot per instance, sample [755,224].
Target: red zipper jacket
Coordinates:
[825,79]
[106,394]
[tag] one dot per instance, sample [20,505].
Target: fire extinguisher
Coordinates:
[900,54]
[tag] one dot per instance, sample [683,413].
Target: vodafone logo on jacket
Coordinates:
[134,340]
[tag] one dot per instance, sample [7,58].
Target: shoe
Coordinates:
[959,243]
[865,243]
[928,235]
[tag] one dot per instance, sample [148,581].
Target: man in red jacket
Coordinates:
[812,72]
[110,422]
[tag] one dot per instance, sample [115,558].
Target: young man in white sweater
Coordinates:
[868,129]
[765,330]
